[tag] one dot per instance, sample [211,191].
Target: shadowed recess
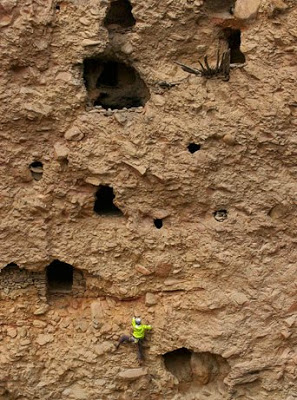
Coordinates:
[59,277]
[104,201]
[115,85]
[193,147]
[178,362]
[36,169]
[158,223]
[220,215]
[219,5]
[119,14]
[233,37]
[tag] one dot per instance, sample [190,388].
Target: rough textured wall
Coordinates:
[220,291]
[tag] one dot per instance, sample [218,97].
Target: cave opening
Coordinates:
[233,37]
[220,215]
[104,204]
[193,147]
[112,84]
[158,223]
[119,14]
[36,169]
[178,363]
[59,277]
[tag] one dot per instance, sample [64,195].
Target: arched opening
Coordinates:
[104,204]
[115,85]
[59,277]
[119,14]
[198,371]
[158,223]
[36,169]
[233,37]
[178,363]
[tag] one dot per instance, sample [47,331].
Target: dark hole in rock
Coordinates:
[119,14]
[58,7]
[178,362]
[220,5]
[115,85]
[59,277]
[104,201]
[193,147]
[198,373]
[158,223]
[220,215]
[233,37]
[36,168]
[11,267]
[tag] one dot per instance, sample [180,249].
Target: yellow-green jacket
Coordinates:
[139,330]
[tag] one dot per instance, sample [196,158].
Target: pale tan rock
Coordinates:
[12,332]
[120,118]
[103,348]
[61,151]
[151,299]
[43,339]
[143,270]
[246,9]
[133,373]
[229,139]
[93,180]
[5,20]
[127,48]
[39,324]
[74,134]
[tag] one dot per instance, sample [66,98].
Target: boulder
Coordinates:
[246,9]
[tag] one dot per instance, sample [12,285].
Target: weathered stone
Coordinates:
[43,339]
[74,134]
[12,332]
[61,151]
[39,324]
[102,348]
[246,9]
[93,180]
[143,270]
[133,373]
[151,299]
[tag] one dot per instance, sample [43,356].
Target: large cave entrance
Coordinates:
[200,374]
[115,85]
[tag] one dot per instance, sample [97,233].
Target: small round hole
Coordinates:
[158,223]
[58,7]
[220,215]
[193,147]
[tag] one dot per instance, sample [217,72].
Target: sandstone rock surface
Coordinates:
[130,187]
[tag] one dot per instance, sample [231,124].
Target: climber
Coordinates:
[137,337]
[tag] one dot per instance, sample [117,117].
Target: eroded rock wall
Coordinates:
[204,245]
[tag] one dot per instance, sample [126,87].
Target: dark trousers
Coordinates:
[131,339]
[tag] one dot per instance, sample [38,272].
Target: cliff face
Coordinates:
[131,187]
